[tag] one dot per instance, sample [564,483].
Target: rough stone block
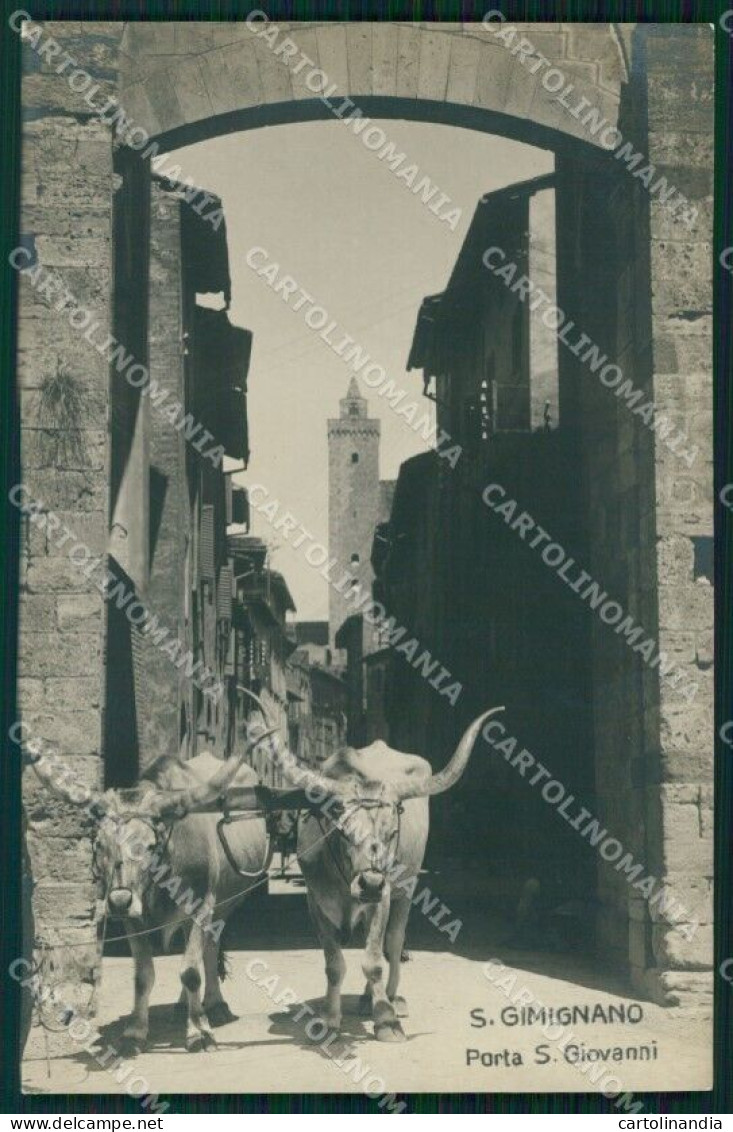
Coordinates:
[81,613]
[408,61]
[55,859]
[56,575]
[685,900]
[274,75]
[73,695]
[88,528]
[686,725]
[681,278]
[68,905]
[432,79]
[331,42]
[37,612]
[675,558]
[30,693]
[682,106]
[48,654]
[493,73]
[521,91]
[384,59]
[680,984]
[193,97]
[76,732]
[49,94]
[673,949]
[50,815]
[679,765]
[687,607]
[85,449]
[68,491]
[359,55]
[160,91]
[138,106]
[674,832]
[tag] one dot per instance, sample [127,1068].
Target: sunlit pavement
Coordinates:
[264,1050]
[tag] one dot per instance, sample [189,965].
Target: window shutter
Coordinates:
[224,594]
[240,506]
[230,662]
[207,542]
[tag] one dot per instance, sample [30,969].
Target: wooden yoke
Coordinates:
[257,799]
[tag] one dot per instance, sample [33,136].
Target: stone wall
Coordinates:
[67,193]
[160,682]
[679,755]
[638,283]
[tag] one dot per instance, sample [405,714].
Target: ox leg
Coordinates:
[394,941]
[386,1025]
[335,965]
[198,1031]
[135,1034]
[215,1008]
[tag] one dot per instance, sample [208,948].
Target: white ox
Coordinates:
[163,869]
[371,825]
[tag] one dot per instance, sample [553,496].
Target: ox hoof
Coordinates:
[131,1045]
[365,1005]
[200,1042]
[389,1032]
[219,1014]
[400,1006]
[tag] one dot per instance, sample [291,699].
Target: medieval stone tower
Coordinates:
[353,498]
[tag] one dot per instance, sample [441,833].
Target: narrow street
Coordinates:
[265,1050]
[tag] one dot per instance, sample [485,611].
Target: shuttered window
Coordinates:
[207,542]
[224,594]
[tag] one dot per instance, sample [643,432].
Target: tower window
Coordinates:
[353,410]
[354,559]
[354,457]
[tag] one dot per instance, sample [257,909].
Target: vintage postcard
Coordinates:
[366,579]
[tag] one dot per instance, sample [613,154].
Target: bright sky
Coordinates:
[338,220]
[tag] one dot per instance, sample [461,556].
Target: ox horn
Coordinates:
[302,776]
[182,801]
[47,771]
[439,783]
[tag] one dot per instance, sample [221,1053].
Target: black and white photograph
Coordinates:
[365,500]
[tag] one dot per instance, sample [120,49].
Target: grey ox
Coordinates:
[371,826]
[163,869]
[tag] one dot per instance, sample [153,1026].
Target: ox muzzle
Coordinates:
[368,887]
[124,903]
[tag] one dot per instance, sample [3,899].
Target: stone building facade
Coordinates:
[178,83]
[263,642]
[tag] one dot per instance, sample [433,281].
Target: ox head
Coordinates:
[132,827]
[364,816]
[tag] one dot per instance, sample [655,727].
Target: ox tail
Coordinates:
[223,965]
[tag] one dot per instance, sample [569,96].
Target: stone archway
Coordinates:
[183,82]
[174,78]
